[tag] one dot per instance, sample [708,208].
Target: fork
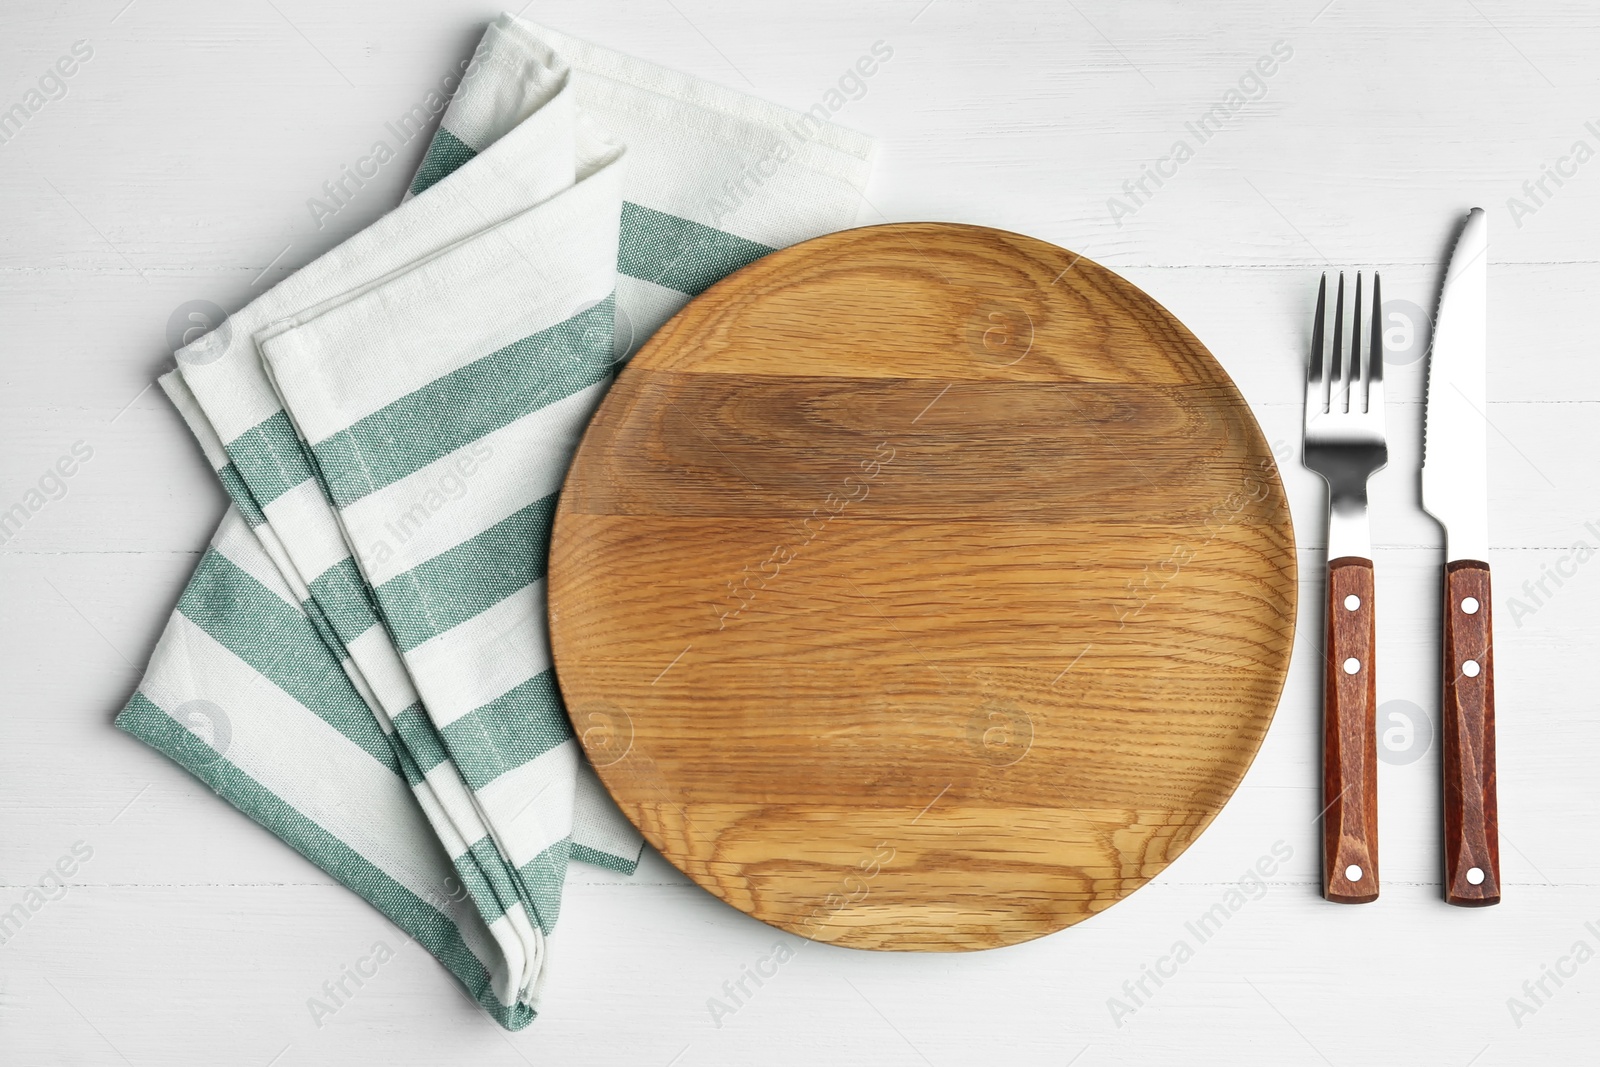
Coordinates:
[1345,444]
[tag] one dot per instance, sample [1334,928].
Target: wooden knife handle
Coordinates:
[1349,737]
[1471,815]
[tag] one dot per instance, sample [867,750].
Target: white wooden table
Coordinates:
[177,166]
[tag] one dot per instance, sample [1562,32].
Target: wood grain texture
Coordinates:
[1471,805]
[941,584]
[1349,736]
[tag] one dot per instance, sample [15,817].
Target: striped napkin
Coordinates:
[360,662]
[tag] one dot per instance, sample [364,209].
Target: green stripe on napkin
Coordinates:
[279,641]
[483,396]
[512,729]
[655,246]
[452,587]
[679,254]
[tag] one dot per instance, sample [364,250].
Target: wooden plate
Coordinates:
[922,587]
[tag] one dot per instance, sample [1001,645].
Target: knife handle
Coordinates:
[1350,737]
[1471,811]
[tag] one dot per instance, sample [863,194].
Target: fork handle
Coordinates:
[1349,737]
[1471,810]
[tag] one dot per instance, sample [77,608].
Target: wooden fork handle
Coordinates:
[1471,815]
[1349,737]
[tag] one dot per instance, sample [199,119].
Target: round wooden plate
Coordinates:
[922,587]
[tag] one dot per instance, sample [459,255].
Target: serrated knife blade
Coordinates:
[1455,436]
[1455,490]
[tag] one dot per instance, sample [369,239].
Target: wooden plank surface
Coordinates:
[178,167]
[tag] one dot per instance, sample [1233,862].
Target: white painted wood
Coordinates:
[177,167]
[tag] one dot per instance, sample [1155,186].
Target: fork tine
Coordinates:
[1338,399]
[1375,349]
[1357,375]
[1314,379]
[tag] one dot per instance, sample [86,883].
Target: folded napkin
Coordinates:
[360,662]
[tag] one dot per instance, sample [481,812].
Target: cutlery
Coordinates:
[1455,491]
[1345,444]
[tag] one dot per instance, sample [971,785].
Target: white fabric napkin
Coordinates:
[360,662]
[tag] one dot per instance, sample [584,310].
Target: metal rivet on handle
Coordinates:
[1352,873]
[1470,668]
[1470,605]
[1352,665]
[1475,875]
[1352,602]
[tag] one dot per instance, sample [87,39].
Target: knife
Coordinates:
[1455,491]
